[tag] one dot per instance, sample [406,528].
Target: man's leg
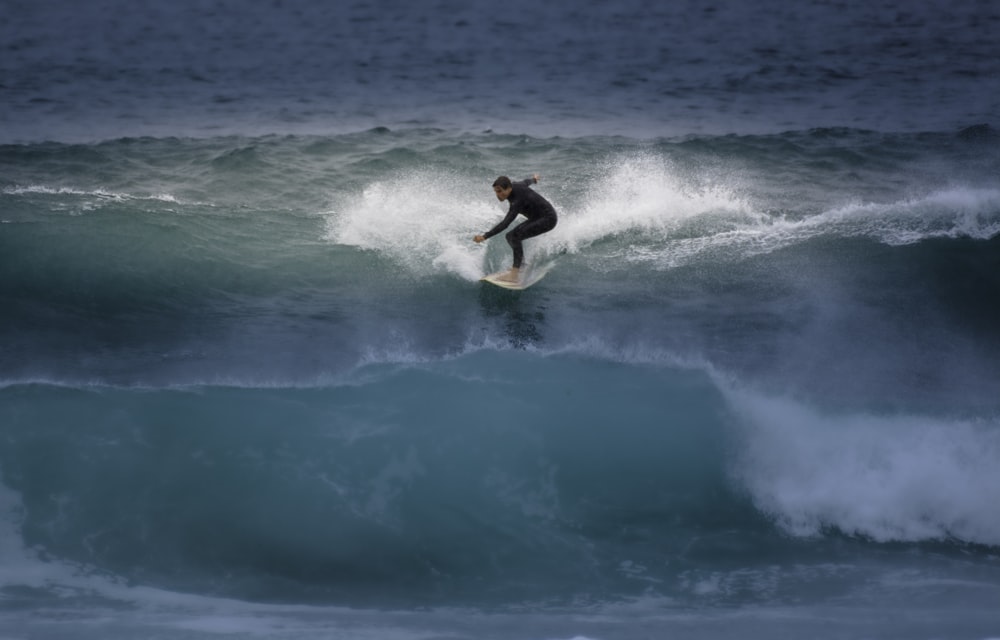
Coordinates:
[523,231]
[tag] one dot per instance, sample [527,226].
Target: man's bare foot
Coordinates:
[511,276]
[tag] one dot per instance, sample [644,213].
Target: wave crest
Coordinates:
[888,478]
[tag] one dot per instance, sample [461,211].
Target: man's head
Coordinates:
[502,187]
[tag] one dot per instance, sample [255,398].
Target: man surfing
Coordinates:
[540,214]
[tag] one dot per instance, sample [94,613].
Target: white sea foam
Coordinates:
[903,477]
[642,192]
[652,215]
[420,220]
[99,193]
[78,201]
[426,223]
[948,213]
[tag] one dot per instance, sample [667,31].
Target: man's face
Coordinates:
[502,193]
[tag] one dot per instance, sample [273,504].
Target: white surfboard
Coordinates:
[528,278]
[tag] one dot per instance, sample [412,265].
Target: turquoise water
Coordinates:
[251,385]
[262,373]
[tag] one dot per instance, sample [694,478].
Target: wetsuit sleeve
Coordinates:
[511,214]
[528,181]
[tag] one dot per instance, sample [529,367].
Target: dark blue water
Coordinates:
[250,384]
[116,69]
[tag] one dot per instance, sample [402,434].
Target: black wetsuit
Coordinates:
[541,217]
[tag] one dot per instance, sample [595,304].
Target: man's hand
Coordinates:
[537,178]
[479,238]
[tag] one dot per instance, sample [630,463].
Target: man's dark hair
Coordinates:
[503,182]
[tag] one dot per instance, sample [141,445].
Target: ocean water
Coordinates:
[251,385]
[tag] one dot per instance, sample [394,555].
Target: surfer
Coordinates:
[540,214]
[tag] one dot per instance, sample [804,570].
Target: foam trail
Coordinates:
[422,221]
[398,218]
[949,213]
[677,222]
[896,478]
[646,194]
[98,193]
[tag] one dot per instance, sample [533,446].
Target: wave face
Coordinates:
[460,478]
[242,374]
[491,477]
